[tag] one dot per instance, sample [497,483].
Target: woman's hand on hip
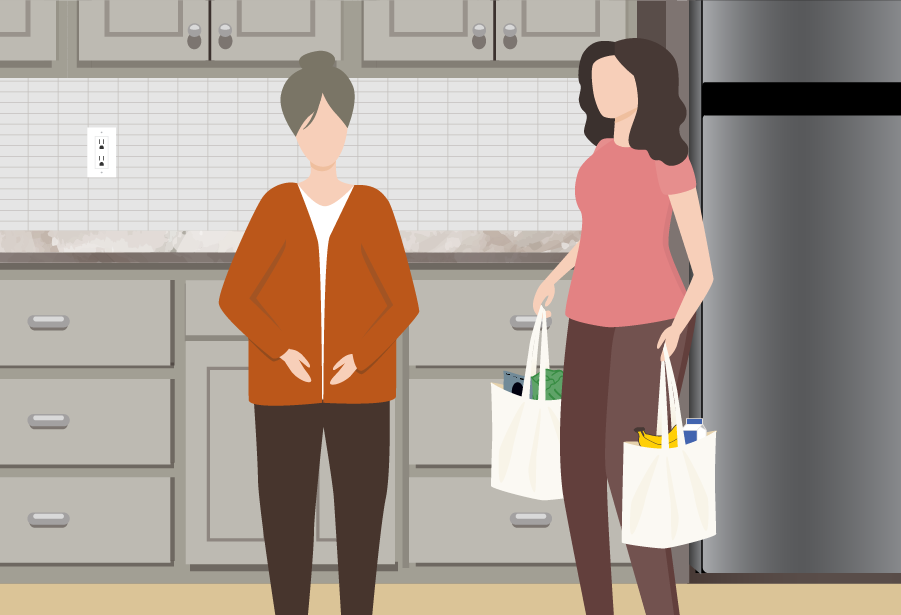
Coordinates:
[347,368]
[295,362]
[545,291]
[671,337]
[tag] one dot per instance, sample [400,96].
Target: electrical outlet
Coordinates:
[101,152]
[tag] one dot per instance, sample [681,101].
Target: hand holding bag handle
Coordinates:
[540,322]
[668,383]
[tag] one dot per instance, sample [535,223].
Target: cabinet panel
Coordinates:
[224,524]
[85,322]
[457,520]
[28,30]
[410,31]
[110,422]
[111,520]
[142,30]
[448,331]
[203,316]
[533,30]
[273,30]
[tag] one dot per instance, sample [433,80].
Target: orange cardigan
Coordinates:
[271,293]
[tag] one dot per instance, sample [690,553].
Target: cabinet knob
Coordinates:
[478,30]
[225,30]
[194,30]
[44,421]
[530,519]
[58,323]
[526,323]
[509,30]
[48,519]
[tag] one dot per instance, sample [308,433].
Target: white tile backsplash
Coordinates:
[197,154]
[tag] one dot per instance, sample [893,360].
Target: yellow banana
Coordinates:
[652,441]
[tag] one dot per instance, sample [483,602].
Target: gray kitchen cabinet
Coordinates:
[224,525]
[86,520]
[143,30]
[203,316]
[272,30]
[467,322]
[463,520]
[537,30]
[411,30]
[85,323]
[28,30]
[86,421]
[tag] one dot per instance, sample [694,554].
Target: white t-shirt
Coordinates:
[324,218]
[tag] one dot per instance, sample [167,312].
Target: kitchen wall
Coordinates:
[197,154]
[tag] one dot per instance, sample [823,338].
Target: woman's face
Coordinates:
[614,87]
[322,140]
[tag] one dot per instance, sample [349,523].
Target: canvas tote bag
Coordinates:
[525,433]
[669,495]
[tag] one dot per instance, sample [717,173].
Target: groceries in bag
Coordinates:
[553,381]
[513,383]
[669,493]
[525,433]
[694,430]
[651,441]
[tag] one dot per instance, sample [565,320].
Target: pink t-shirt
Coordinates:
[624,273]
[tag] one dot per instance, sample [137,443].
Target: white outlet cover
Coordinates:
[101,161]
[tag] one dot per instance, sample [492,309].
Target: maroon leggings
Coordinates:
[611,387]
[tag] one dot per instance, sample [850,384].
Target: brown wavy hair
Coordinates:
[660,110]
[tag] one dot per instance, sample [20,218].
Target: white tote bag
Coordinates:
[669,494]
[525,433]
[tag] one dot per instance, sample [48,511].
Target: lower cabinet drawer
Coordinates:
[85,421]
[451,426]
[106,520]
[463,520]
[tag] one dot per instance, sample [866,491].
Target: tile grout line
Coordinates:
[417,155]
[27,150]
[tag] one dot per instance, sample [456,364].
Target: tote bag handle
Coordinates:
[668,391]
[538,331]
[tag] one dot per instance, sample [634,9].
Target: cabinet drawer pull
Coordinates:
[48,519]
[530,519]
[525,323]
[48,322]
[39,421]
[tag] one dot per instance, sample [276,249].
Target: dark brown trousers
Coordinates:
[611,387]
[289,440]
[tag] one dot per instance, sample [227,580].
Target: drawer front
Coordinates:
[85,422]
[451,427]
[457,520]
[467,322]
[110,520]
[203,315]
[106,322]
[463,520]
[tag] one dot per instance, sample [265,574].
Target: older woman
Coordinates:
[338,375]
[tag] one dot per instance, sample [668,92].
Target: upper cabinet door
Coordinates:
[270,30]
[532,30]
[412,30]
[143,30]
[27,30]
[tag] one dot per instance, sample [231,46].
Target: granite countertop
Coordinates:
[218,247]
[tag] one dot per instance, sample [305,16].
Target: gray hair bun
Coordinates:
[317,59]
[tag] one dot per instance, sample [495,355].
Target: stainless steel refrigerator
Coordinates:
[796,140]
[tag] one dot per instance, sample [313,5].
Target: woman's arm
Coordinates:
[546,288]
[687,209]
[260,246]
[385,251]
